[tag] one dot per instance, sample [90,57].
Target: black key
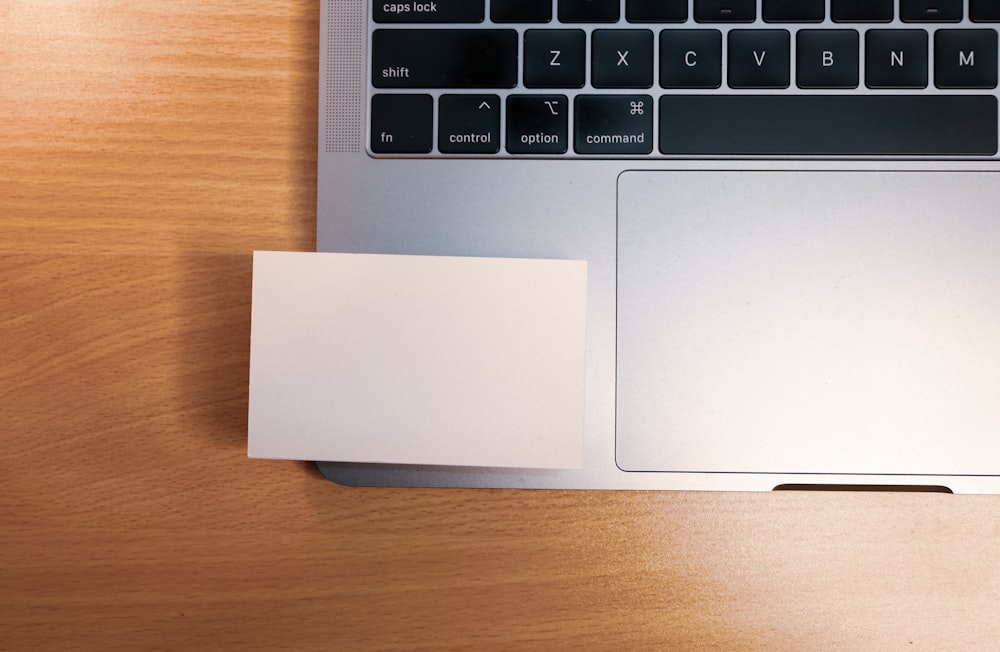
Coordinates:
[537,124]
[555,58]
[759,58]
[690,58]
[469,124]
[444,58]
[613,124]
[725,11]
[402,124]
[984,11]
[826,58]
[520,11]
[794,11]
[965,58]
[861,11]
[438,11]
[896,58]
[589,11]
[656,11]
[930,11]
[622,58]
[829,125]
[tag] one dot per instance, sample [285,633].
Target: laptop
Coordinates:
[789,209]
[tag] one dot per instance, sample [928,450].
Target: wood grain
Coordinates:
[145,151]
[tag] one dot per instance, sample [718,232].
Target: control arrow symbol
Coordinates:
[484,105]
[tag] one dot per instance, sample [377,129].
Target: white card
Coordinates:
[417,359]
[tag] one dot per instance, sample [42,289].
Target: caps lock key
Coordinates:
[438,11]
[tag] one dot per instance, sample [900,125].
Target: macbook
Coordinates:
[788,211]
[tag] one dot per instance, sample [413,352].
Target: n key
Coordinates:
[896,58]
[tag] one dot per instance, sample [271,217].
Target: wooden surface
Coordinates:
[145,150]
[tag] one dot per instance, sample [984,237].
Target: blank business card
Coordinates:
[417,359]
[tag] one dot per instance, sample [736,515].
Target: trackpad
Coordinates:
[813,322]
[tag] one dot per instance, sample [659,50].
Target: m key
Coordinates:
[965,58]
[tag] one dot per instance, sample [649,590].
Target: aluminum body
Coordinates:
[602,211]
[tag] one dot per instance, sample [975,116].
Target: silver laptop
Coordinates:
[790,210]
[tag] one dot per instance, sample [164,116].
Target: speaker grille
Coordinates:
[345,76]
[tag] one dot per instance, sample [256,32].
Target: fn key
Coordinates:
[402,124]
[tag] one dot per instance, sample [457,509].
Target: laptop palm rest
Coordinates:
[808,322]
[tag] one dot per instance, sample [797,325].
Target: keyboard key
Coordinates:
[794,11]
[826,58]
[930,11]
[656,11]
[965,58]
[832,125]
[438,11]
[402,124]
[622,58]
[861,11]
[469,124]
[759,58]
[444,58]
[520,11]
[537,124]
[589,11]
[984,11]
[725,11]
[555,58]
[896,58]
[690,58]
[613,124]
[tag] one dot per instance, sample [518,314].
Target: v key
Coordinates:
[759,58]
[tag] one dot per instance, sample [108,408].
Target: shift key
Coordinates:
[444,58]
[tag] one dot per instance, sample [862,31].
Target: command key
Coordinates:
[613,124]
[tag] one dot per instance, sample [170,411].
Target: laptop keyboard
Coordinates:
[684,78]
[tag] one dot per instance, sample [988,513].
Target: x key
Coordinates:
[622,58]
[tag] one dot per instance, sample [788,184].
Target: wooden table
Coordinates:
[145,150]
